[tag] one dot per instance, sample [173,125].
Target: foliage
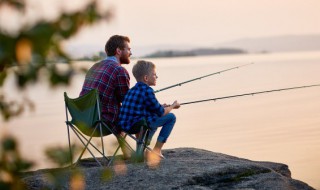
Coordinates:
[18,4]
[74,176]
[11,164]
[61,155]
[37,47]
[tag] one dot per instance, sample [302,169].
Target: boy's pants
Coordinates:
[167,122]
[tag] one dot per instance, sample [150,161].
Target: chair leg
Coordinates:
[70,150]
[90,143]
[86,148]
[124,143]
[141,144]
[113,156]
[102,144]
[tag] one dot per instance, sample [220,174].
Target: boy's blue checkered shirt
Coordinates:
[139,102]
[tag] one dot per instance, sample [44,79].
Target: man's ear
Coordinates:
[118,51]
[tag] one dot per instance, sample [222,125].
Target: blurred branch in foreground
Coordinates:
[11,164]
[37,47]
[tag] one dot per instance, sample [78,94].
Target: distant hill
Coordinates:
[249,45]
[283,43]
[195,52]
[276,43]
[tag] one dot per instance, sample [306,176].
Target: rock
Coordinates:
[182,168]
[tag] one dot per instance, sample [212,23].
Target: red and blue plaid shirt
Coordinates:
[140,102]
[112,82]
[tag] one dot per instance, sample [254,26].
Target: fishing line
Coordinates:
[248,94]
[201,77]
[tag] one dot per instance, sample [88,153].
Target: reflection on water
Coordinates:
[279,127]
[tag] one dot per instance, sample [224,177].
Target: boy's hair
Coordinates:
[115,42]
[142,68]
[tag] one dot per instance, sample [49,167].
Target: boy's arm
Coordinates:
[168,108]
[152,104]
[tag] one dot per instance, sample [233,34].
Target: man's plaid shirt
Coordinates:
[112,81]
[140,102]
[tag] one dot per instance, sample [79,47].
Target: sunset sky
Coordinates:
[206,22]
[188,22]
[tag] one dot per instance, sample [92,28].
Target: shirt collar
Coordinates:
[111,58]
[143,84]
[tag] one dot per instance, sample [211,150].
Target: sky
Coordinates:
[150,22]
[190,22]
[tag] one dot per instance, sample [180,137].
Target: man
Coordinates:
[111,79]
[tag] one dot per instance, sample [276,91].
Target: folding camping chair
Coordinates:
[86,121]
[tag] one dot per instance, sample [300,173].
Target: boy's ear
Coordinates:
[145,78]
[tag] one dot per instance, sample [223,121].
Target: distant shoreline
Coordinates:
[177,53]
[195,52]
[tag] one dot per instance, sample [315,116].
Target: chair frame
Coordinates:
[87,141]
[143,130]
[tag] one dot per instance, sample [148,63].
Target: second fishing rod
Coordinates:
[199,78]
[248,94]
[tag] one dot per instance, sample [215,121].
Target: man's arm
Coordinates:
[123,80]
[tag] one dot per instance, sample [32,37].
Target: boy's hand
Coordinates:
[165,105]
[175,105]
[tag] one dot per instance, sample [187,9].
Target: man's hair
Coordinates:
[142,68]
[115,42]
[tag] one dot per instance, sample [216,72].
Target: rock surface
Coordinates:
[182,168]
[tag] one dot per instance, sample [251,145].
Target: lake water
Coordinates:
[279,127]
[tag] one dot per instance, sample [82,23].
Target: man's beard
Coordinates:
[124,59]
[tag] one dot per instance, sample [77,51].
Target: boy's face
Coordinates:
[152,78]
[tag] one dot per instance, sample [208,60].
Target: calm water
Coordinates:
[279,127]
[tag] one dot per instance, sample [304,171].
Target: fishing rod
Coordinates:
[198,78]
[247,94]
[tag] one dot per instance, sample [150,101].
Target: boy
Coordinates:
[140,102]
